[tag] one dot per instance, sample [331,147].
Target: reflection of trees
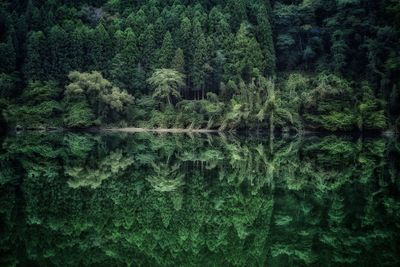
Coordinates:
[211,201]
[111,165]
[165,178]
[8,226]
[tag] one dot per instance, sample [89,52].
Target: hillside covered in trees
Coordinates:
[281,65]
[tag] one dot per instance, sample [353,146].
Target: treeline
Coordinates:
[242,63]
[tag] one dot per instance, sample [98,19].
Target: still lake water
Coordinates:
[80,199]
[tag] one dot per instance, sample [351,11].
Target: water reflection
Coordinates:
[204,200]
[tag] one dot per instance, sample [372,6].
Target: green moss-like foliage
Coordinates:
[168,200]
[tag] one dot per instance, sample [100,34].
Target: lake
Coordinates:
[113,199]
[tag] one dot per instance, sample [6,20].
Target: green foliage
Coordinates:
[166,51]
[204,200]
[37,107]
[34,67]
[255,105]
[247,59]
[92,89]
[178,62]
[216,45]
[328,104]
[200,61]
[371,115]
[8,56]
[79,115]
[8,86]
[124,69]
[166,84]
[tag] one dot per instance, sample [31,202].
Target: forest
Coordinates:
[273,65]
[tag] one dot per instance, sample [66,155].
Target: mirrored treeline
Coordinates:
[80,199]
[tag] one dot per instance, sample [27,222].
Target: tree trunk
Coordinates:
[271,124]
[271,132]
[169,101]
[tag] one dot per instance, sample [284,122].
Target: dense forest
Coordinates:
[276,65]
[174,200]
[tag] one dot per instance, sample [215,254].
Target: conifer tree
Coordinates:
[58,43]
[78,55]
[178,63]
[166,51]
[7,55]
[199,61]
[148,48]
[186,43]
[265,38]
[124,66]
[237,9]
[101,47]
[130,49]
[246,58]
[34,67]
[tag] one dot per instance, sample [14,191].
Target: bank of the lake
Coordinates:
[160,130]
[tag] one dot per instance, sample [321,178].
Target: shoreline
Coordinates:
[159,130]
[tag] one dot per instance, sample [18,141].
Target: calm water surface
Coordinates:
[198,200]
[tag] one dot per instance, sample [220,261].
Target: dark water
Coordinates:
[204,200]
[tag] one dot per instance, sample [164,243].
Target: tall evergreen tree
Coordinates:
[246,59]
[199,60]
[8,56]
[166,51]
[178,63]
[237,9]
[148,48]
[77,48]
[34,66]
[264,35]
[186,43]
[101,47]
[124,66]
[59,57]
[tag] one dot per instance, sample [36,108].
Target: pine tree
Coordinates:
[130,49]
[101,47]
[160,31]
[178,63]
[124,69]
[29,11]
[246,59]
[58,44]
[48,16]
[8,56]
[22,30]
[218,27]
[14,40]
[186,43]
[77,52]
[147,43]
[265,38]
[140,21]
[237,9]
[167,51]
[34,62]
[199,60]
[36,19]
